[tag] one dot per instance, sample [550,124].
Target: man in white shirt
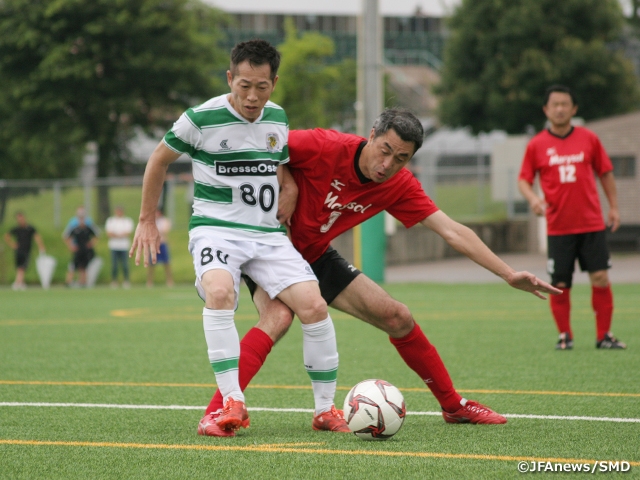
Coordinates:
[119,228]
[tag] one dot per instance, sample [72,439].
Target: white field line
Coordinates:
[295,410]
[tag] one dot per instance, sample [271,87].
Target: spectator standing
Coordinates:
[164,227]
[73,223]
[81,241]
[20,239]
[566,157]
[119,229]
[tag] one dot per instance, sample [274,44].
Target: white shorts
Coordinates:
[274,268]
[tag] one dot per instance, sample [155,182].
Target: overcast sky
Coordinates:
[400,8]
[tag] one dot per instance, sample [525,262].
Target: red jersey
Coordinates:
[566,166]
[335,196]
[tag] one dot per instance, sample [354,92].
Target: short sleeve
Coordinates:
[527,170]
[185,136]
[413,205]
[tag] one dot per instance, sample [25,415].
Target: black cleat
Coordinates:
[565,342]
[610,342]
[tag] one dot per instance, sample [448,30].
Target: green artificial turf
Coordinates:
[146,347]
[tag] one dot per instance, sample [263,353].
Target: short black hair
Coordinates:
[403,122]
[257,52]
[561,89]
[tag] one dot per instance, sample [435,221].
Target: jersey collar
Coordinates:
[356,161]
[227,104]
[563,136]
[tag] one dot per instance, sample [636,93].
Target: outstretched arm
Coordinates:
[146,241]
[465,241]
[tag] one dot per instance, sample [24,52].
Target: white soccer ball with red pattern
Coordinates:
[374,410]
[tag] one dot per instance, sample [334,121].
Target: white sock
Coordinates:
[320,354]
[223,347]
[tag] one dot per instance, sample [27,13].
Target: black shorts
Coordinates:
[22,259]
[590,249]
[82,258]
[334,275]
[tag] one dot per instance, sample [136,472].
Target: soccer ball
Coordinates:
[374,410]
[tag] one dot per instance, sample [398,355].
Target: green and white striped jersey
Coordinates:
[234,168]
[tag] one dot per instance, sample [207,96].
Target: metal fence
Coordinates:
[52,202]
[465,193]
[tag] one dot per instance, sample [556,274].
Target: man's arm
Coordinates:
[288,196]
[70,243]
[609,186]
[538,205]
[146,240]
[465,241]
[7,238]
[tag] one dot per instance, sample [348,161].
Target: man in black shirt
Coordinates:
[81,241]
[20,239]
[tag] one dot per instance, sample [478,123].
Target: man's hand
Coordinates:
[538,206]
[530,283]
[146,242]
[613,219]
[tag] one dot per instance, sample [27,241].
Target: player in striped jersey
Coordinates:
[238,144]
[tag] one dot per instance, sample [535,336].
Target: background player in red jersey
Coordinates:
[343,180]
[566,158]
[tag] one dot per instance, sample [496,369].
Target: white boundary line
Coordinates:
[294,410]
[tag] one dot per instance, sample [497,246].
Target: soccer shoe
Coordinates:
[474,412]
[233,416]
[332,421]
[610,342]
[210,428]
[565,342]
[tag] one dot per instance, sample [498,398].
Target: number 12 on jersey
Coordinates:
[567,173]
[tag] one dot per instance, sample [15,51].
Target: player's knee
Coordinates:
[219,297]
[599,278]
[561,281]
[275,320]
[313,310]
[398,319]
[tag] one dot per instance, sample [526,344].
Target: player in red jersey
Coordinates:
[566,158]
[343,180]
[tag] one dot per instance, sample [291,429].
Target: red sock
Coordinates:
[423,358]
[254,348]
[561,310]
[602,303]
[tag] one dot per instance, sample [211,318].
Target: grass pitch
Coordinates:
[94,352]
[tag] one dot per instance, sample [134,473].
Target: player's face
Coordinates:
[251,87]
[384,156]
[559,109]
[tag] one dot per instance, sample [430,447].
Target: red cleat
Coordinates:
[474,412]
[233,416]
[332,421]
[210,428]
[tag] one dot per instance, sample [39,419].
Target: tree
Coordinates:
[502,54]
[313,92]
[74,72]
